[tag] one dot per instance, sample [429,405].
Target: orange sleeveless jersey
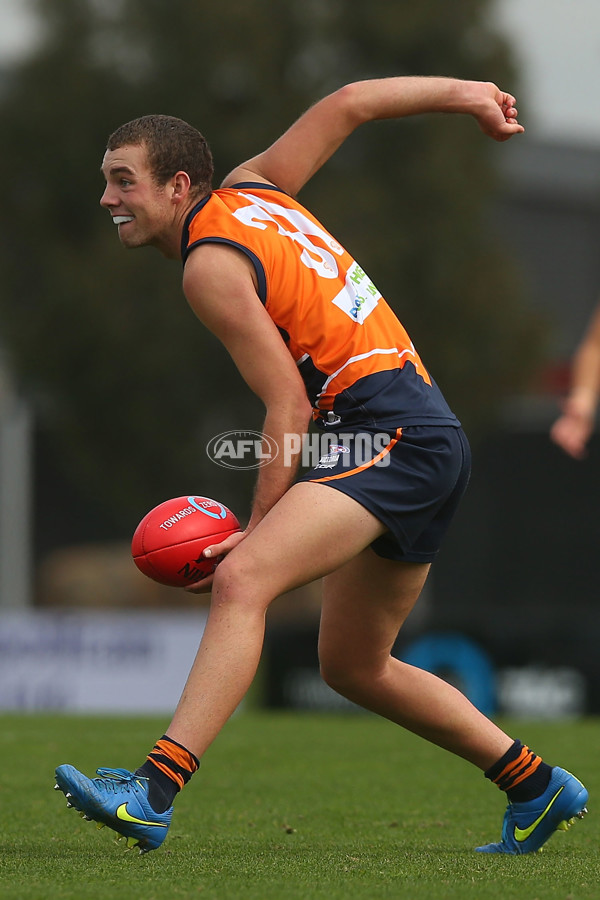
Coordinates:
[356,359]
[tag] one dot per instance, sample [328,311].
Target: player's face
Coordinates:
[141,209]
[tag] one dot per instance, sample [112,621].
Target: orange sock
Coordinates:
[168,767]
[520,773]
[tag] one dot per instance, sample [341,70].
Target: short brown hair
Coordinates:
[172,146]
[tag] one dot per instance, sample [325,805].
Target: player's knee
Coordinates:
[338,672]
[348,675]
[237,582]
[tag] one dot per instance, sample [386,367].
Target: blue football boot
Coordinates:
[119,799]
[527,826]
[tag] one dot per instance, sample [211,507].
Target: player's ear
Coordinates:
[180,187]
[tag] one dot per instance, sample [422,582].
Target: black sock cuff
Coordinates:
[511,754]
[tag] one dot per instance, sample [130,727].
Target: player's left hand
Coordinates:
[212,552]
[496,113]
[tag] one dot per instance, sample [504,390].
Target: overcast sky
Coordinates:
[557,46]
[16,29]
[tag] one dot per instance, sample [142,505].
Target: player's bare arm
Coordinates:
[295,157]
[219,286]
[572,430]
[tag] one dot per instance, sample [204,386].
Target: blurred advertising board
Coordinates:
[96,662]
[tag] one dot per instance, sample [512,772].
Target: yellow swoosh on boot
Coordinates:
[521,834]
[126,817]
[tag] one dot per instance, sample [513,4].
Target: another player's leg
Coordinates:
[365,603]
[311,531]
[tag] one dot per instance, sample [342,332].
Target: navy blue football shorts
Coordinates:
[412,480]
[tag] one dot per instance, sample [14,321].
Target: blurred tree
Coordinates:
[127,387]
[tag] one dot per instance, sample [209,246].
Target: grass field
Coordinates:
[289,807]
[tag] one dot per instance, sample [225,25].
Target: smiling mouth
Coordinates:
[122,220]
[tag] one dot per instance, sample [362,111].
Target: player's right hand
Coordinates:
[215,551]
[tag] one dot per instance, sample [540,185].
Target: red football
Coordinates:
[167,545]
